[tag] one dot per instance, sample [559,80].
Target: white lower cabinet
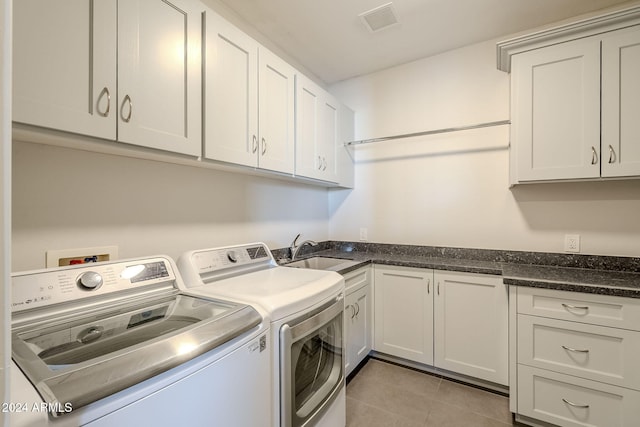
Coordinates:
[454,321]
[566,400]
[471,327]
[404,312]
[358,318]
[577,358]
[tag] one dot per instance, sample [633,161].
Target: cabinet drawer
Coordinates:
[569,401]
[356,279]
[595,309]
[595,352]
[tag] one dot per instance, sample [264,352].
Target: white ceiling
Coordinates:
[328,38]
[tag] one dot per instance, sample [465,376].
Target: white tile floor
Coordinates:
[386,395]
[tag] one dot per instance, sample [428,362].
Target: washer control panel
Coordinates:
[52,286]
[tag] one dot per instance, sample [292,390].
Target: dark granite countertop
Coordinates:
[450,264]
[618,276]
[604,282]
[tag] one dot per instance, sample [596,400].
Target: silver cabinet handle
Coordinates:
[612,155]
[105,91]
[575,405]
[358,309]
[254,144]
[574,349]
[575,307]
[324,164]
[264,146]
[126,100]
[319,162]
[594,156]
[353,310]
[438,288]
[428,286]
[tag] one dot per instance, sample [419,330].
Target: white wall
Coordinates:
[452,189]
[64,198]
[5,200]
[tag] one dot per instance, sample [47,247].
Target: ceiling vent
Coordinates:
[379,18]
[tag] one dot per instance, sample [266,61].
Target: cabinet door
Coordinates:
[329,137]
[276,87]
[317,130]
[231,93]
[308,105]
[159,75]
[358,326]
[403,314]
[64,65]
[471,325]
[621,103]
[556,112]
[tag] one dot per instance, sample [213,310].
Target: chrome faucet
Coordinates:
[295,249]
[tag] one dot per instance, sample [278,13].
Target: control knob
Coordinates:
[232,256]
[89,280]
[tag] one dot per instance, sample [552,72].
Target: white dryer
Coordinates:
[306,310]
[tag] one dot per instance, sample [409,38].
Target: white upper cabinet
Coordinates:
[621,103]
[317,131]
[249,100]
[575,99]
[159,75]
[172,75]
[64,65]
[126,71]
[230,93]
[276,123]
[556,111]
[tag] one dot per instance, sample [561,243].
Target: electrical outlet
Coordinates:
[363,234]
[572,243]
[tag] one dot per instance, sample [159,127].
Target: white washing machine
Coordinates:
[306,310]
[118,344]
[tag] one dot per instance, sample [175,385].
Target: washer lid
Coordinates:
[99,352]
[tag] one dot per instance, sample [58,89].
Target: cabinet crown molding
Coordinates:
[589,26]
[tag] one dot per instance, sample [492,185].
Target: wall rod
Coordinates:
[430,132]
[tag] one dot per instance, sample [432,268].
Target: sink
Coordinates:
[323,263]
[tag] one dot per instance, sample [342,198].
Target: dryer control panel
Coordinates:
[216,263]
